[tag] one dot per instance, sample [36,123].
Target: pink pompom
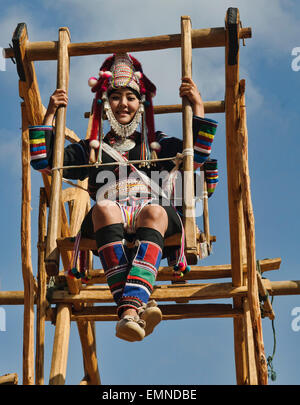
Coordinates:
[181,266]
[139,75]
[105,74]
[92,81]
[155,146]
[94,143]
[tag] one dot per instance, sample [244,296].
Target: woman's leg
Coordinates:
[151,225]
[109,234]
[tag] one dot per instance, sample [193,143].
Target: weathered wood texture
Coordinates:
[253,292]
[54,225]
[201,38]
[188,146]
[60,346]
[28,279]
[41,301]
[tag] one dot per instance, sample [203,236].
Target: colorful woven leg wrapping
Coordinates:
[143,272]
[113,258]
[205,135]
[211,175]
[38,150]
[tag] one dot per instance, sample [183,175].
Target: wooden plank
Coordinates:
[275,288]
[267,306]
[189,221]
[9,379]
[232,23]
[196,273]
[170,312]
[41,301]
[201,38]
[102,294]
[88,344]
[210,107]
[253,296]
[60,346]
[28,279]
[52,253]
[252,372]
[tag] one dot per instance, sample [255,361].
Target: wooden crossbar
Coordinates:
[201,38]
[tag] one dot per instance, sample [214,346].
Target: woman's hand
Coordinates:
[58,98]
[189,89]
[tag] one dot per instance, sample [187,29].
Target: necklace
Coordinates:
[124,145]
[124,131]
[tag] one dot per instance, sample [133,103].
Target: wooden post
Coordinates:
[87,338]
[232,35]
[41,302]
[28,331]
[232,147]
[52,252]
[252,372]
[9,379]
[60,345]
[253,296]
[188,147]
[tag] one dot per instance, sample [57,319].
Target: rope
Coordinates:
[125,163]
[271,371]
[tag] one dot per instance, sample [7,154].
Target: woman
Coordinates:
[123,95]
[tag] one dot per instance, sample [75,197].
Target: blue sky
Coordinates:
[187,351]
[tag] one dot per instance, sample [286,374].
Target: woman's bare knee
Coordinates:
[153,216]
[105,213]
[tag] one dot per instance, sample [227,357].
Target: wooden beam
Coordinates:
[274,288]
[252,372]
[28,279]
[253,292]
[41,301]
[60,346]
[189,221]
[170,312]
[97,276]
[232,23]
[88,344]
[52,253]
[9,379]
[102,294]
[201,38]
[210,107]
[232,36]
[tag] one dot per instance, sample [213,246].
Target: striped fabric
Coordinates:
[141,277]
[38,150]
[211,175]
[115,265]
[204,138]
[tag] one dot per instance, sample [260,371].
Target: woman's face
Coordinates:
[124,104]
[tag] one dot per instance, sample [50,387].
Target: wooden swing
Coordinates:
[56,237]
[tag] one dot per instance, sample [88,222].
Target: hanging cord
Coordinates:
[271,371]
[262,299]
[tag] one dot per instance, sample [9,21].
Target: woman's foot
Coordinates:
[130,327]
[151,314]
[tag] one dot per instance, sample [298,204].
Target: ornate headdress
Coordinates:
[122,71]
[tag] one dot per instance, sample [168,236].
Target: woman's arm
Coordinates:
[58,98]
[189,89]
